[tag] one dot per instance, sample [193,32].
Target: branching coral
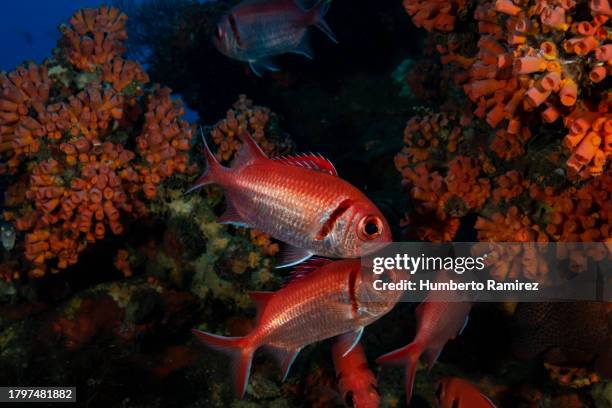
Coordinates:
[23,116]
[94,38]
[69,141]
[590,140]
[536,59]
[444,184]
[439,15]
[534,70]
[164,141]
[578,214]
[260,123]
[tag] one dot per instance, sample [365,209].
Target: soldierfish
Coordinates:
[437,322]
[299,200]
[325,299]
[256,30]
[453,392]
[356,382]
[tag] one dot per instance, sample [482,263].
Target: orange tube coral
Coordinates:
[80,181]
[94,38]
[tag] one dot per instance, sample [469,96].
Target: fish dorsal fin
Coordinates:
[309,161]
[260,299]
[306,268]
[347,341]
[249,151]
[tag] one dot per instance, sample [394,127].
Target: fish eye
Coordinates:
[348,399]
[370,228]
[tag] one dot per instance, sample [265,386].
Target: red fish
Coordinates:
[458,393]
[437,323]
[356,382]
[299,200]
[256,30]
[325,299]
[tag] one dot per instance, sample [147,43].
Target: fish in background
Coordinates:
[356,382]
[299,200]
[453,392]
[325,299]
[257,30]
[566,333]
[438,321]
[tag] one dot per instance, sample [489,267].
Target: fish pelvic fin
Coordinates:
[213,168]
[240,351]
[249,152]
[409,356]
[317,14]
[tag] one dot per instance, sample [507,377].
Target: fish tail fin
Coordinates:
[213,168]
[240,351]
[409,356]
[318,13]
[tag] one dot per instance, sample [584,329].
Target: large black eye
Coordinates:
[348,399]
[371,228]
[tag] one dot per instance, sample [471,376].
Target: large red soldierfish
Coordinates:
[437,322]
[453,392]
[298,200]
[356,382]
[325,299]
[256,30]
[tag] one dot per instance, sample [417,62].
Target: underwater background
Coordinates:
[462,120]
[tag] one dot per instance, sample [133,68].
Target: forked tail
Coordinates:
[409,356]
[240,351]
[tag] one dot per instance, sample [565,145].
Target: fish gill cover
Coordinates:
[508,134]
